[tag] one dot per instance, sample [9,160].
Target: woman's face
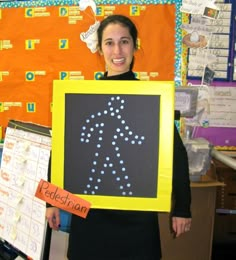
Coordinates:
[117,48]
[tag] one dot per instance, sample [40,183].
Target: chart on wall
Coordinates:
[25,161]
[46,40]
[210,38]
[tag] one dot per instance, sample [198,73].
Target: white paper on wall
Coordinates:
[25,161]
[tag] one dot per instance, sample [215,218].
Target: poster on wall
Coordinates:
[25,161]
[109,151]
[42,41]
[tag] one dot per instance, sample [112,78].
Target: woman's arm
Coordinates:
[181,192]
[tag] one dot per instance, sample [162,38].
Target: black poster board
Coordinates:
[117,138]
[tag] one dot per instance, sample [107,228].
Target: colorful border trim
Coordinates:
[10,4]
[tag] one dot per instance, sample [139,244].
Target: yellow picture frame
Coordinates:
[73,101]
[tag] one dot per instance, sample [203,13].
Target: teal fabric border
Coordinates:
[178,3]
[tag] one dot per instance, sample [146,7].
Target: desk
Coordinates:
[196,244]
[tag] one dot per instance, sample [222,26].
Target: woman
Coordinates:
[117,234]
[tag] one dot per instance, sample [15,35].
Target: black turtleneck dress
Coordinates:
[129,235]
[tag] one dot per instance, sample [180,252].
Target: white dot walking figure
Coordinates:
[103,164]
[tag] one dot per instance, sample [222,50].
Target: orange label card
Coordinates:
[62,199]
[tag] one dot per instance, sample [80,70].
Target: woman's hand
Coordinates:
[53,217]
[181,225]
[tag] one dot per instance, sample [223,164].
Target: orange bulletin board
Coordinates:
[40,42]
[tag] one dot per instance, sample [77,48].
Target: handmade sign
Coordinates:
[110,145]
[62,199]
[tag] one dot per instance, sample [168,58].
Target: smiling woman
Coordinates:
[117,41]
[126,234]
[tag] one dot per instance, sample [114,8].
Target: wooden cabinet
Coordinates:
[225,219]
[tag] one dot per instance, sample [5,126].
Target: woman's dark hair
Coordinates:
[122,20]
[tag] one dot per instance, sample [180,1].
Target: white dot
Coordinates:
[139,142]
[100,138]
[102,124]
[122,101]
[105,112]
[126,139]
[126,177]
[130,132]
[121,161]
[117,148]
[96,187]
[126,128]
[99,113]
[84,127]
[98,146]
[136,137]
[87,120]
[113,172]
[82,140]
[118,130]
[93,192]
[121,107]
[83,134]
[87,140]
[121,187]
[112,114]
[100,131]
[119,116]
[88,135]
[132,142]
[109,103]
[98,180]
[107,158]
[123,122]
[93,170]
[92,116]
[142,137]
[88,186]
[102,172]
[113,143]
[94,163]
[118,154]
[96,154]
[90,178]
[105,165]
[118,178]
[115,137]
[110,165]
[128,185]
[91,129]
[123,169]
